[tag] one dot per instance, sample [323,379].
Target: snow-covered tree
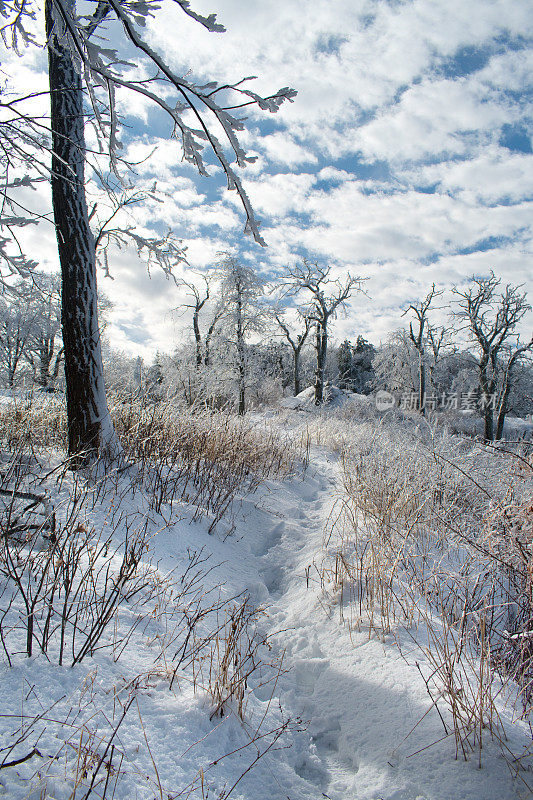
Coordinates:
[520,397]
[344,362]
[328,297]
[355,365]
[44,350]
[296,342]
[124,374]
[198,301]
[31,327]
[15,328]
[418,336]
[490,317]
[242,293]
[515,380]
[395,364]
[440,349]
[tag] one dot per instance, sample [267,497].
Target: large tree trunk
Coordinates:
[59,359]
[502,413]
[197,339]
[488,423]
[488,417]
[89,425]
[207,343]
[45,352]
[487,382]
[296,372]
[321,352]
[44,372]
[241,357]
[421,383]
[502,405]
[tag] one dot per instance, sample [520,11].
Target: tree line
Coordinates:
[250,338]
[269,338]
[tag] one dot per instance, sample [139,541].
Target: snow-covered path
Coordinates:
[359,695]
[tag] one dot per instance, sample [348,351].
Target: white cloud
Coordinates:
[493,175]
[432,118]
[276,195]
[282,149]
[511,70]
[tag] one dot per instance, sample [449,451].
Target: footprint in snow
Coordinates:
[271,539]
[307,673]
[273,578]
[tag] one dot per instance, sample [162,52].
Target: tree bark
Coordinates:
[502,412]
[421,383]
[321,352]
[57,364]
[89,425]
[487,388]
[296,372]
[503,399]
[45,352]
[241,360]
[488,423]
[197,338]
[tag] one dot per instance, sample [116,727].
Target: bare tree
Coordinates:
[418,338]
[43,352]
[439,347]
[511,359]
[199,298]
[296,342]
[15,327]
[216,317]
[491,317]
[31,327]
[77,61]
[241,292]
[328,298]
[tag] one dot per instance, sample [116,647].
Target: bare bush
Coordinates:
[201,457]
[195,456]
[63,589]
[436,532]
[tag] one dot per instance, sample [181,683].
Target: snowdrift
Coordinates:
[334,398]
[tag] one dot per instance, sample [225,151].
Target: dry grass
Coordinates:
[435,536]
[205,458]
[200,457]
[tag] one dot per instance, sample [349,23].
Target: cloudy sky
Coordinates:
[405,158]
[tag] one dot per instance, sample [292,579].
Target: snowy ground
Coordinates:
[357,698]
[360,696]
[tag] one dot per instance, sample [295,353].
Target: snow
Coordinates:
[362,705]
[364,406]
[334,398]
[360,696]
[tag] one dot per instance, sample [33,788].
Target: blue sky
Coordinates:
[405,158]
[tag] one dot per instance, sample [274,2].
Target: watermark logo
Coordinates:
[473,400]
[384,400]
